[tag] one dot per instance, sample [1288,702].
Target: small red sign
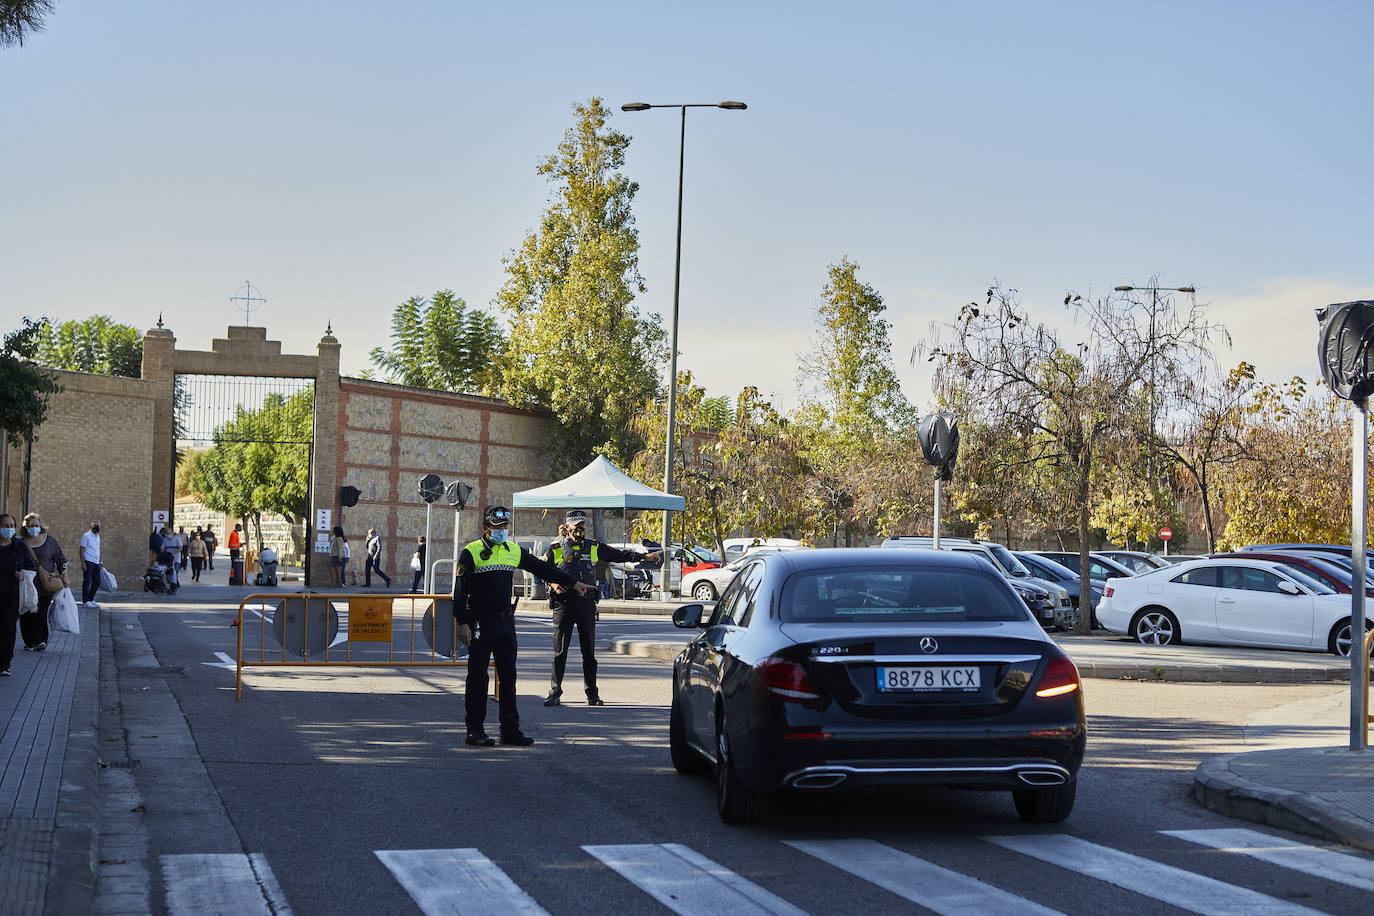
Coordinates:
[1166,533]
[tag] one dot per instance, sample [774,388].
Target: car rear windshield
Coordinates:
[885,594]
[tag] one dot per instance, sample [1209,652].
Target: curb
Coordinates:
[76,833]
[1217,788]
[1187,674]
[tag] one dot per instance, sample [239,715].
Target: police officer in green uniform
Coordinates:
[485,611]
[577,556]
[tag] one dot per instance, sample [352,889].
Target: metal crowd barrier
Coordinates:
[309,632]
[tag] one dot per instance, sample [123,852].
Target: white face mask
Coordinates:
[33,532]
[498,535]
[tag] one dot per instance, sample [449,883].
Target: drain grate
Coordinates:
[154,671]
[122,764]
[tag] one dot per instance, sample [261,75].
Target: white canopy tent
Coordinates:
[600,485]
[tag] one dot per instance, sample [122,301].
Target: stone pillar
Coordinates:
[324,469]
[159,350]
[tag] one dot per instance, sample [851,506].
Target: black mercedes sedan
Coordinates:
[823,670]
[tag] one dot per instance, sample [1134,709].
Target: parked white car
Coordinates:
[1228,602]
[738,547]
[706,585]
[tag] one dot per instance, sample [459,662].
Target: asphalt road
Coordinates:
[350,791]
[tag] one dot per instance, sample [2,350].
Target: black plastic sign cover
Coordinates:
[431,488]
[1344,351]
[939,435]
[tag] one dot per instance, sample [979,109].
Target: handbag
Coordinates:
[48,582]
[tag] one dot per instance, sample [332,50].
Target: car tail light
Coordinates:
[787,679]
[1108,591]
[1060,678]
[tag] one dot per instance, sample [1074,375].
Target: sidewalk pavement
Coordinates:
[49,789]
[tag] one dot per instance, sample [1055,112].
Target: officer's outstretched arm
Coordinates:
[548,572]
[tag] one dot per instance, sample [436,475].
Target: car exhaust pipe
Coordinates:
[1042,777]
[818,780]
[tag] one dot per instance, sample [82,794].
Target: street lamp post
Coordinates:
[1154,307]
[666,585]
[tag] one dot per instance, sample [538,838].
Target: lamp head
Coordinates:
[636,106]
[733,106]
[1124,289]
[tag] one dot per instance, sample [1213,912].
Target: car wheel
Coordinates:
[1338,643]
[685,760]
[1045,806]
[704,591]
[736,804]
[1156,626]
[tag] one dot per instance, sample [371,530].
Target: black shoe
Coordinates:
[519,739]
[594,698]
[40,647]
[5,672]
[552,700]
[481,739]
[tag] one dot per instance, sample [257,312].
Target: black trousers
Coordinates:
[34,627]
[493,637]
[9,617]
[566,615]
[374,563]
[90,583]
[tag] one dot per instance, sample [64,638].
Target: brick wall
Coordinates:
[389,436]
[91,460]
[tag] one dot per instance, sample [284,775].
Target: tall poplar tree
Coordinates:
[579,345]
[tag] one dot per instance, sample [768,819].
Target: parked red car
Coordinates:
[1330,573]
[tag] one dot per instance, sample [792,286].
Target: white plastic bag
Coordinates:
[28,592]
[415,562]
[62,614]
[108,581]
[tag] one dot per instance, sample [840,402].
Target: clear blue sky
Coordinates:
[346,155]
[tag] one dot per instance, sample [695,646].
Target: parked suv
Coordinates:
[1050,603]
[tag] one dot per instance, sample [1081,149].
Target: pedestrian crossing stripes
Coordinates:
[1183,889]
[233,883]
[688,883]
[1320,863]
[939,889]
[456,882]
[464,882]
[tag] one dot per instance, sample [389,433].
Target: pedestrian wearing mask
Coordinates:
[485,612]
[90,564]
[196,551]
[50,560]
[14,559]
[417,565]
[172,546]
[578,556]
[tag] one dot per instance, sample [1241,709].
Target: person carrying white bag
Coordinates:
[16,587]
[62,613]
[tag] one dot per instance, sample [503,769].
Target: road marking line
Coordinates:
[456,882]
[1310,860]
[1183,889]
[225,661]
[689,883]
[223,883]
[933,887]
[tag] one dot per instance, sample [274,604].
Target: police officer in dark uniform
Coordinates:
[577,556]
[485,611]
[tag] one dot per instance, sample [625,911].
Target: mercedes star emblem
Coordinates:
[928,644]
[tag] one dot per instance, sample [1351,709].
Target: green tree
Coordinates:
[853,406]
[19,19]
[26,386]
[580,346]
[97,344]
[440,343]
[259,462]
